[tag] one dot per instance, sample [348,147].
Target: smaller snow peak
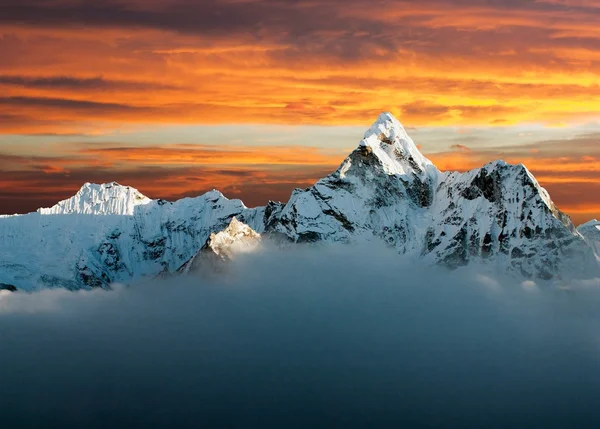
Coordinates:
[214,195]
[221,247]
[105,199]
[590,224]
[217,197]
[506,169]
[236,238]
[89,185]
[235,227]
[499,163]
[88,188]
[591,233]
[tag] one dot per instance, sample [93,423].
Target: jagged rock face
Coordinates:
[221,247]
[500,213]
[385,190]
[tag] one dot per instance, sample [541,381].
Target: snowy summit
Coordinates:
[398,154]
[223,246]
[106,199]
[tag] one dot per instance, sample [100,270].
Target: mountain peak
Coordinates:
[236,238]
[100,199]
[221,246]
[388,141]
[591,233]
[594,223]
[386,119]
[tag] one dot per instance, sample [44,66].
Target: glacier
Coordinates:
[385,190]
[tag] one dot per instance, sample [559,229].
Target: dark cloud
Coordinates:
[324,28]
[460,147]
[79,84]
[64,103]
[583,144]
[210,16]
[29,124]
[8,118]
[573,149]
[7,159]
[305,338]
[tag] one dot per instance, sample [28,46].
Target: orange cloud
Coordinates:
[255,174]
[259,173]
[68,70]
[214,155]
[435,63]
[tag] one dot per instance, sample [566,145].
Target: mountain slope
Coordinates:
[385,190]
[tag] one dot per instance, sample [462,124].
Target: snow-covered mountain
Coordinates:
[385,190]
[222,246]
[111,233]
[107,199]
[591,232]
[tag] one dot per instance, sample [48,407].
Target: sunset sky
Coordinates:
[257,97]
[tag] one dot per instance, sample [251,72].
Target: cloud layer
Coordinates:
[341,337]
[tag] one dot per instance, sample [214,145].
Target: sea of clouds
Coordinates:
[331,337]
